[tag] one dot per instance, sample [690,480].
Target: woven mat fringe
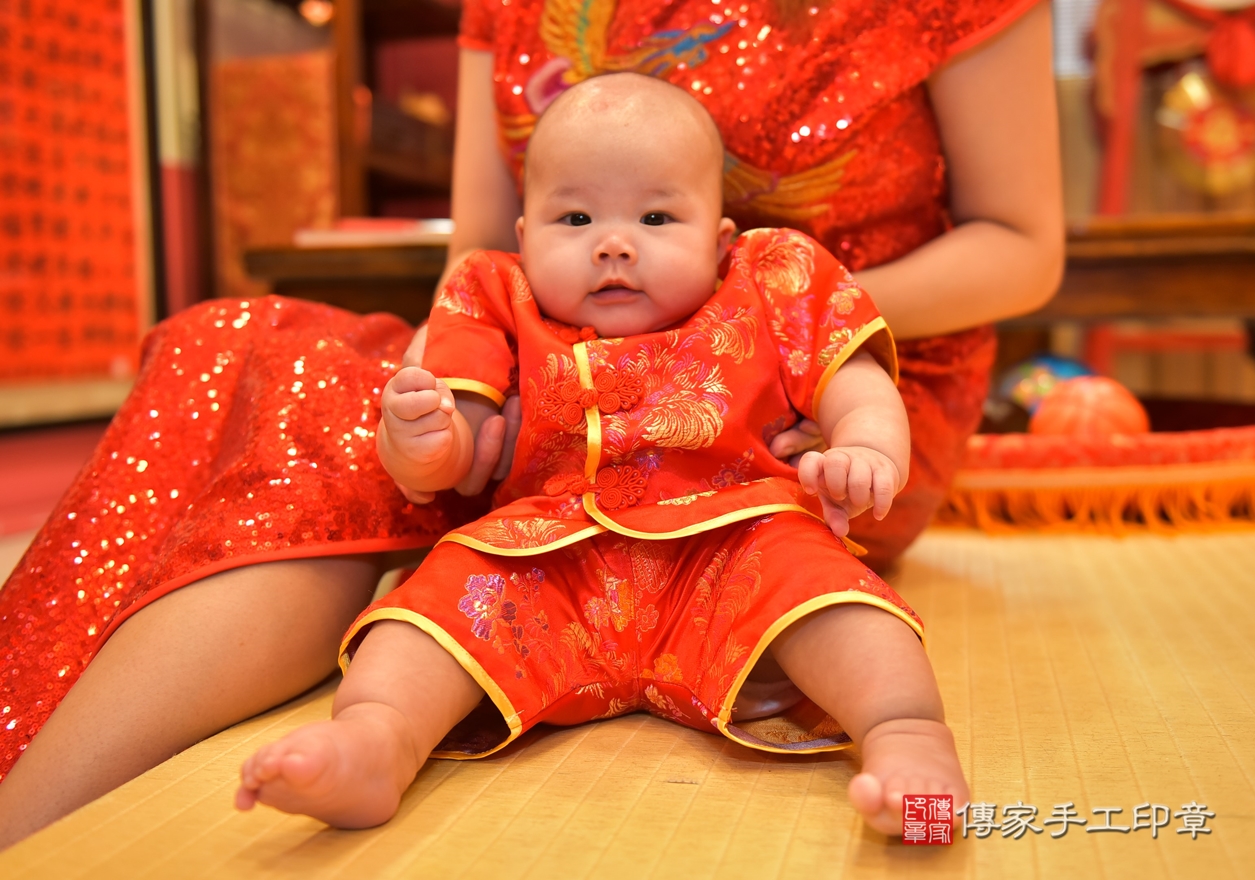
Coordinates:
[1206,505]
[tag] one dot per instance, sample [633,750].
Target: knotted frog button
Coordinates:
[619,486]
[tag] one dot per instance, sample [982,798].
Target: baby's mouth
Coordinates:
[615,291]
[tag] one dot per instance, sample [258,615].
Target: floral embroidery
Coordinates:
[734,474]
[616,609]
[686,500]
[731,330]
[520,290]
[616,707]
[484,605]
[460,294]
[726,587]
[841,300]
[519,533]
[667,668]
[646,618]
[837,341]
[784,260]
[684,399]
[665,703]
[651,565]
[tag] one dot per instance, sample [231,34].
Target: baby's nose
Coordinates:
[614,248]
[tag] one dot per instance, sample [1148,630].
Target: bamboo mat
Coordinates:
[1103,672]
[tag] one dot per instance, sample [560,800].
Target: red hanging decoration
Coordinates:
[1231,52]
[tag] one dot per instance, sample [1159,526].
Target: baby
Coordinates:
[646,551]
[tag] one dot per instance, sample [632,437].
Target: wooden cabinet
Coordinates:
[384,150]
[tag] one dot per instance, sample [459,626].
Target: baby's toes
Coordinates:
[303,768]
[867,795]
[250,771]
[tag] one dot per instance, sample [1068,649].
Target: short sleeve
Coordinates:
[960,25]
[475,31]
[471,340]
[818,316]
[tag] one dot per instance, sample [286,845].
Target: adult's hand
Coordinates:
[791,444]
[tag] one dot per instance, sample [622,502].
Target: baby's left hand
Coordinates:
[849,480]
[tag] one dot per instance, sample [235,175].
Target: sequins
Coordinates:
[217,459]
[793,88]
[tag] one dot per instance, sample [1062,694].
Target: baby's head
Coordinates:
[622,227]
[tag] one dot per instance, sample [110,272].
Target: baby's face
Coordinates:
[621,226]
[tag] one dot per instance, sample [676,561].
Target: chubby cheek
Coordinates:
[688,277]
[558,285]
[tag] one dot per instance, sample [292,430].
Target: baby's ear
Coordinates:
[727,232]
[518,233]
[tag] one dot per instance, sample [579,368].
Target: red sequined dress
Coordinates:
[249,435]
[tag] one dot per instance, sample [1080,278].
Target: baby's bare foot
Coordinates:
[349,772]
[905,756]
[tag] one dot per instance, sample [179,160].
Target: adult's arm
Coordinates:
[995,107]
[485,202]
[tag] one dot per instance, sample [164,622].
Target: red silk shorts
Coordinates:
[613,624]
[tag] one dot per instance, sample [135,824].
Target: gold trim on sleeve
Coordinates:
[865,333]
[493,550]
[460,654]
[818,603]
[474,387]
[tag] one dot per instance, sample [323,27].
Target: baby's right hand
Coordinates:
[418,414]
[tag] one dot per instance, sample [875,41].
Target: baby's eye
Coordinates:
[655,218]
[576,218]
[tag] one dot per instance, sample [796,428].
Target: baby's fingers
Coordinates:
[810,470]
[405,397]
[837,467]
[884,487]
[859,481]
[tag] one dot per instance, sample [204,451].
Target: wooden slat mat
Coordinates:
[1102,672]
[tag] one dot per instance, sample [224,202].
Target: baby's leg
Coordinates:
[868,670]
[402,694]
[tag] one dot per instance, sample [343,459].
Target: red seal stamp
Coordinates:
[927,819]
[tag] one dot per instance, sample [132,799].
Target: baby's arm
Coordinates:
[426,438]
[864,420]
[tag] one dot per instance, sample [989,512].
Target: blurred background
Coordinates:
[156,153]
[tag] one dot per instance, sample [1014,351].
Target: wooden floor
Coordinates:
[1102,672]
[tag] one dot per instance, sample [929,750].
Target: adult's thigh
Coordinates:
[188,665]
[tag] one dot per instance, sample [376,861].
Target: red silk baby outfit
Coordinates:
[646,546]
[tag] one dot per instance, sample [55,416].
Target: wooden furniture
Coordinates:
[1152,267]
[390,278]
[416,162]
[1157,266]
